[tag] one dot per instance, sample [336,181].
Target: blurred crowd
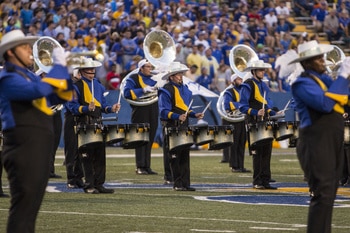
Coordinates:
[204,31]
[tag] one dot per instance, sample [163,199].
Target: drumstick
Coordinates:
[285,107]
[263,107]
[120,95]
[206,107]
[92,90]
[189,106]
[188,109]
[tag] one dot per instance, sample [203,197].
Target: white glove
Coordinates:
[148,89]
[59,56]
[344,69]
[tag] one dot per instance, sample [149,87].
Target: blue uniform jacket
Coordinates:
[41,93]
[308,94]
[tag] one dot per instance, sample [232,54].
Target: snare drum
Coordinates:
[114,133]
[203,134]
[136,135]
[283,130]
[347,132]
[180,138]
[223,137]
[89,136]
[260,133]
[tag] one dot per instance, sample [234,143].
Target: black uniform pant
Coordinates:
[178,162]
[94,165]
[1,190]
[320,152]
[57,127]
[236,151]
[72,159]
[145,114]
[346,169]
[261,163]
[26,160]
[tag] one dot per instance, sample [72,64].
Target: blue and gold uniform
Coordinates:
[94,157]
[319,101]
[235,153]
[174,100]
[27,124]
[134,89]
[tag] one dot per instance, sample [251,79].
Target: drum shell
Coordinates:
[136,135]
[203,134]
[179,138]
[89,136]
[347,132]
[260,133]
[223,137]
[283,130]
[114,133]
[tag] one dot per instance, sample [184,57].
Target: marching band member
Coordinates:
[136,86]
[235,153]
[320,101]
[174,99]
[88,108]
[252,102]
[2,194]
[26,118]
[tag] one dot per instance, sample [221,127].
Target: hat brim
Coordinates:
[167,75]
[15,42]
[260,66]
[93,64]
[324,48]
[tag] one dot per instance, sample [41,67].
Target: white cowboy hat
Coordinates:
[174,68]
[234,77]
[142,63]
[88,63]
[13,39]
[311,49]
[256,64]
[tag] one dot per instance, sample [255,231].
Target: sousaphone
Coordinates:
[160,51]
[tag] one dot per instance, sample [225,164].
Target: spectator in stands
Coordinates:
[205,79]
[263,36]
[331,26]
[271,21]
[180,55]
[113,78]
[227,48]
[302,8]
[318,15]
[128,46]
[62,27]
[194,58]
[191,73]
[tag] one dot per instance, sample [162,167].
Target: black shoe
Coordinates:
[245,170]
[270,187]
[168,182]
[258,186]
[102,189]
[190,189]
[75,184]
[55,176]
[91,191]
[150,171]
[272,181]
[223,161]
[179,189]
[3,195]
[236,170]
[141,171]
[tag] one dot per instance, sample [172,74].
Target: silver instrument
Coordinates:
[160,51]
[44,46]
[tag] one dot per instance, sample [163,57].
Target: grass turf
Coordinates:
[142,203]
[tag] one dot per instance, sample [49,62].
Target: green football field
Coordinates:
[223,202]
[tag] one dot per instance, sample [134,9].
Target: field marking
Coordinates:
[274,229]
[168,217]
[203,230]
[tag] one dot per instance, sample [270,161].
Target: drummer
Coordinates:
[258,107]
[235,153]
[88,108]
[174,100]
